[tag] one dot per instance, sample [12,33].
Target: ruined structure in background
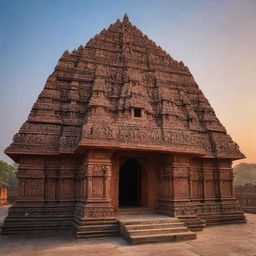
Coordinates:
[3,196]
[246,195]
[121,123]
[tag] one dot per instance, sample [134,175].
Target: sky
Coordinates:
[216,39]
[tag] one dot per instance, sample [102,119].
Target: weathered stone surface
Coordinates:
[12,194]
[120,97]
[147,228]
[246,195]
[91,96]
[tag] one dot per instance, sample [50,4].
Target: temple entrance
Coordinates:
[130,184]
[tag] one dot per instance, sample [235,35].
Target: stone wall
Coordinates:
[12,194]
[246,194]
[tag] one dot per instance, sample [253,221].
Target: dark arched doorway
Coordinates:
[130,184]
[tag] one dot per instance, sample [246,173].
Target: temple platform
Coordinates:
[233,239]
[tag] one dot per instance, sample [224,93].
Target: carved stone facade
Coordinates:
[246,195]
[12,194]
[121,97]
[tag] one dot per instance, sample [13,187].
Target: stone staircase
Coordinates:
[220,219]
[193,223]
[155,230]
[35,225]
[101,230]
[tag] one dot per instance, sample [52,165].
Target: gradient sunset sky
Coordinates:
[216,39]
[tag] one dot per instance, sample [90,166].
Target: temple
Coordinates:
[121,124]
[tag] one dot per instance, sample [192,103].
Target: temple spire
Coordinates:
[126,19]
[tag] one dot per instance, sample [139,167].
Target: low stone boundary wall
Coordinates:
[246,195]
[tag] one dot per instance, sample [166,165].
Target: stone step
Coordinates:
[38,224]
[98,227]
[97,233]
[96,230]
[35,230]
[151,221]
[209,218]
[249,209]
[171,237]
[78,236]
[23,225]
[196,227]
[221,221]
[218,219]
[194,223]
[154,226]
[222,214]
[156,231]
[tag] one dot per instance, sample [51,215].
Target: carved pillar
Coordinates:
[180,169]
[95,203]
[225,179]
[209,176]
[166,188]
[176,199]
[197,184]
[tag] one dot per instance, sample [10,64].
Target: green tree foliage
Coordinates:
[8,176]
[244,173]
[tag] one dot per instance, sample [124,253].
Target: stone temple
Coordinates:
[121,125]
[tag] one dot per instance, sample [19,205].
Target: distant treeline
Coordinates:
[244,173]
[8,176]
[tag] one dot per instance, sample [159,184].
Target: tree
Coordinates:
[8,176]
[244,173]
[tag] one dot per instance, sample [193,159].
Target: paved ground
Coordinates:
[228,240]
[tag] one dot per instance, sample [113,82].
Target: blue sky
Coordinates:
[215,39]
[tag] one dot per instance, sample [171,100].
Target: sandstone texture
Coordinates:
[121,103]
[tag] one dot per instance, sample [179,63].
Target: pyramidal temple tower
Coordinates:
[121,123]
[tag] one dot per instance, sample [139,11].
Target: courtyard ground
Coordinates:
[227,240]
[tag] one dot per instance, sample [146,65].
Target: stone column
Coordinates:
[165,186]
[225,179]
[209,175]
[182,204]
[178,203]
[95,204]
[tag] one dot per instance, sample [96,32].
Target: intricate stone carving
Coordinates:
[120,94]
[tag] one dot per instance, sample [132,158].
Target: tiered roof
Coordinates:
[92,95]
